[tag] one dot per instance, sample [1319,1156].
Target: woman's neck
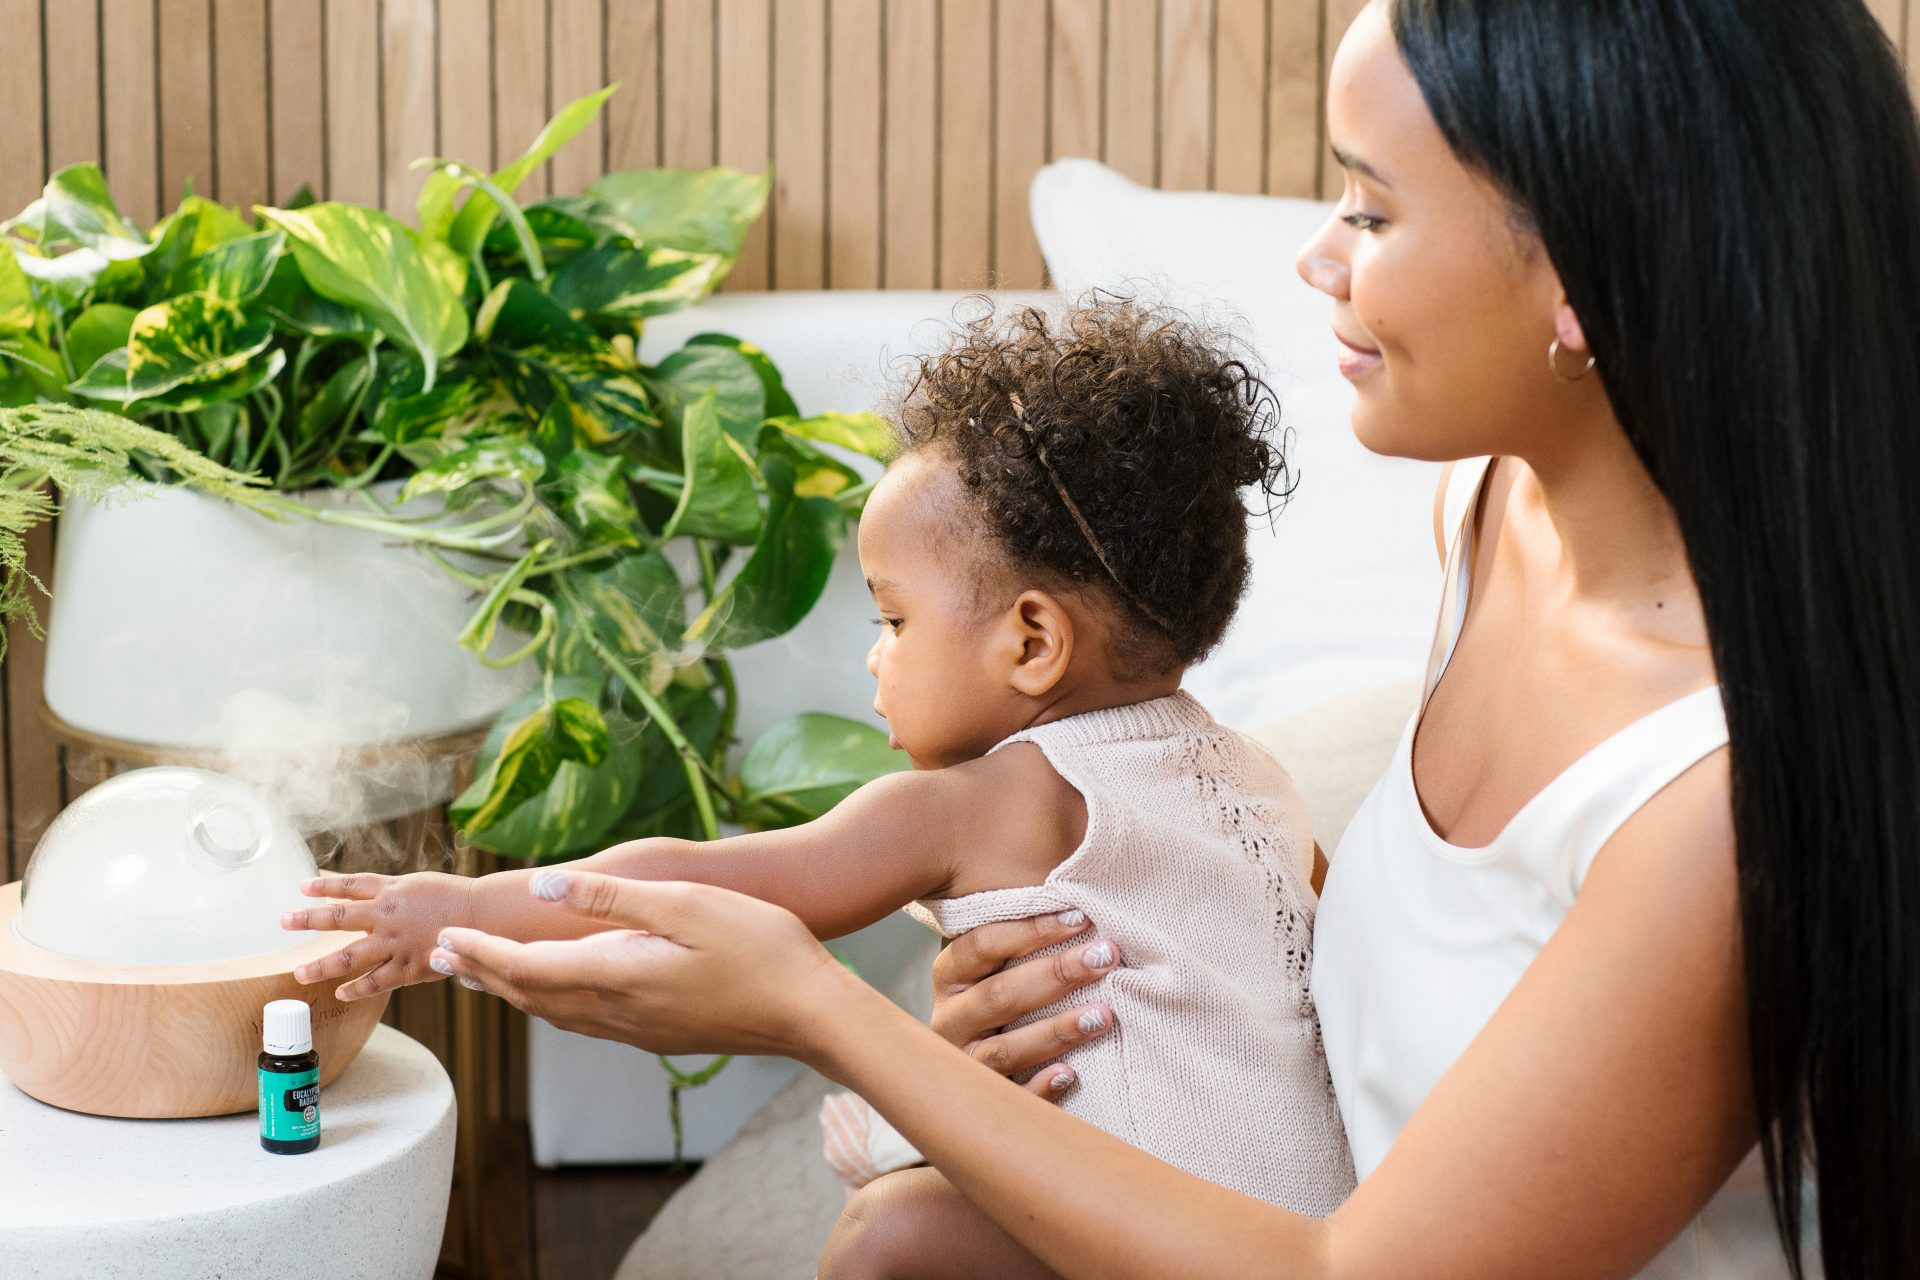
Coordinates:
[1603,533]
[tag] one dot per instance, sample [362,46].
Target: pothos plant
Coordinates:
[622,525]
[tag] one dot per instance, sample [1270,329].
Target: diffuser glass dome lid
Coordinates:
[168,865]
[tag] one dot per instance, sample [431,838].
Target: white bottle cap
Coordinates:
[287,1027]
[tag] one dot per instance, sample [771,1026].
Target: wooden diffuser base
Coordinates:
[158,1041]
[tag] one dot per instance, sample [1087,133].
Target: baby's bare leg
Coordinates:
[913,1225]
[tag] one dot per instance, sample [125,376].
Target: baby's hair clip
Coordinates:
[1086,530]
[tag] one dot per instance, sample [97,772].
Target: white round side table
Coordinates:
[89,1198]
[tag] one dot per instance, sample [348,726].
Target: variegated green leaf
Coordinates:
[817,474]
[717,498]
[868,434]
[237,270]
[631,284]
[635,604]
[692,372]
[476,216]
[195,337]
[779,404]
[579,804]
[102,327]
[404,419]
[235,386]
[786,573]
[80,209]
[340,395]
[494,458]
[18,312]
[27,357]
[592,493]
[368,260]
[213,224]
[69,277]
[478,634]
[569,729]
[695,210]
[107,380]
[291,301]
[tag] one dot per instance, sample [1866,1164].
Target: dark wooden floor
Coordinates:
[559,1224]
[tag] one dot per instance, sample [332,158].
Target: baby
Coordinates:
[1061,535]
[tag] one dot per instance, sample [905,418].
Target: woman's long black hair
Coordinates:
[1730,192]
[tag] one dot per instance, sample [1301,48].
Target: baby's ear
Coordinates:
[1040,639]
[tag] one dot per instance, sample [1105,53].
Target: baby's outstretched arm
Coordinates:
[887,844]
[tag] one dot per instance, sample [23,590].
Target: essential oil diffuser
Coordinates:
[139,950]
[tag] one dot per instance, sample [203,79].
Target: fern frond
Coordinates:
[89,453]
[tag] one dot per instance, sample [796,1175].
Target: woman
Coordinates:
[1662,261]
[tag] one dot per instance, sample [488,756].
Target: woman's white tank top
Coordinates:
[1418,941]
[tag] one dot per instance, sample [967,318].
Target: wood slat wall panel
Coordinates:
[1337,17]
[130,106]
[633,60]
[744,119]
[1297,53]
[242,156]
[465,97]
[1186,94]
[854,169]
[1077,91]
[578,66]
[72,93]
[964,179]
[296,103]
[186,98]
[1020,75]
[799,198]
[21,100]
[688,102]
[902,132]
[1239,96]
[351,91]
[411,115]
[520,99]
[911,70]
[1131,83]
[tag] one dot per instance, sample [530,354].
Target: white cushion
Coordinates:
[1346,584]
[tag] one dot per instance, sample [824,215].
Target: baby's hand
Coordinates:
[402,917]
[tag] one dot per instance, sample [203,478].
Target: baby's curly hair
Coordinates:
[1106,449]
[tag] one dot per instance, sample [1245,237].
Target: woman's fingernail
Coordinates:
[1098,956]
[1060,1081]
[471,985]
[1092,1020]
[303,974]
[286,919]
[439,963]
[1072,919]
[308,886]
[446,945]
[550,885]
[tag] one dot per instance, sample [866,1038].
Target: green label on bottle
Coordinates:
[289,1105]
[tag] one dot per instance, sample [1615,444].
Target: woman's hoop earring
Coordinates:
[1553,363]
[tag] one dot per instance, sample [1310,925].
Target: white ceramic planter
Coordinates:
[185,622]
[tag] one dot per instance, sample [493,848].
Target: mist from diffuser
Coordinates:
[164,866]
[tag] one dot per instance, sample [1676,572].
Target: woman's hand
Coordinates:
[679,968]
[974,996]
[402,917]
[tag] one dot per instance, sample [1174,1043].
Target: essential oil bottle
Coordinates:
[289,1079]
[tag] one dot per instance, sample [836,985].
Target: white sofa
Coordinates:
[1322,664]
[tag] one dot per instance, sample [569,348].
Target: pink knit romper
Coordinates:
[1198,862]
